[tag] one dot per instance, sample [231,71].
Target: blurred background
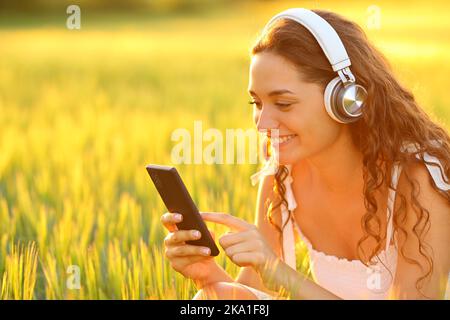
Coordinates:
[83,111]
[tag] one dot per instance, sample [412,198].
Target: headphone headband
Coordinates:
[343,98]
[324,33]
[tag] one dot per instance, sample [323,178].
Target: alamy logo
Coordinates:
[374,17]
[373,281]
[73,21]
[230,149]
[73,280]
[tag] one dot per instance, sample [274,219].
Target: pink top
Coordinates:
[349,279]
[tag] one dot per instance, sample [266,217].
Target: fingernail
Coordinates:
[178,217]
[196,233]
[205,251]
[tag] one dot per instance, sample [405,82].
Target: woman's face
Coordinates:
[284,101]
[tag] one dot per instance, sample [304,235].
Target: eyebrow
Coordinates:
[274,93]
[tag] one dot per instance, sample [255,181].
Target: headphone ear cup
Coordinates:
[330,99]
[340,99]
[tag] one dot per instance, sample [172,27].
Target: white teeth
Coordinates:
[280,140]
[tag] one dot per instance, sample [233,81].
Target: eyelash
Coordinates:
[281,105]
[254,103]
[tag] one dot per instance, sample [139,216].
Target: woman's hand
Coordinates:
[246,246]
[189,260]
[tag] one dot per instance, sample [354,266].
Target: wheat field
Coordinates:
[82,113]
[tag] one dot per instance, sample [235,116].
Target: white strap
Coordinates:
[324,33]
[270,168]
[437,172]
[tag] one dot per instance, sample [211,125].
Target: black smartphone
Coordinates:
[176,197]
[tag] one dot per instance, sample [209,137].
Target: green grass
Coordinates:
[83,112]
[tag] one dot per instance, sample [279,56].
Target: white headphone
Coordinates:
[344,99]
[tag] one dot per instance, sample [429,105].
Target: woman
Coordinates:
[373,194]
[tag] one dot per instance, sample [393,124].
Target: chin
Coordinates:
[286,158]
[289,152]
[290,156]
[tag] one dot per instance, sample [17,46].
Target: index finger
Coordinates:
[227,220]
[169,220]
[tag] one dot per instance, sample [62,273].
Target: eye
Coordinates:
[283,105]
[258,105]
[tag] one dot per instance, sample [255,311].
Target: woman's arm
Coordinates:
[217,275]
[436,237]
[278,276]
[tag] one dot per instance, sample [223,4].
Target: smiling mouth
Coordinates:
[282,139]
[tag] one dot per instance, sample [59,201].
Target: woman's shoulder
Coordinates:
[424,167]
[425,219]
[424,184]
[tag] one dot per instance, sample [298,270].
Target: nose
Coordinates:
[265,121]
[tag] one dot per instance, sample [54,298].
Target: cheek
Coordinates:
[326,131]
[316,126]
[296,123]
[302,121]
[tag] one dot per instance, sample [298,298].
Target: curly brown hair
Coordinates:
[391,116]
